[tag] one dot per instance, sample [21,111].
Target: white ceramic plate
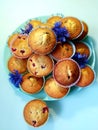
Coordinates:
[42,95]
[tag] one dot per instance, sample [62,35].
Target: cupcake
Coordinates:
[66,72]
[52,20]
[31,84]
[87,76]
[82,48]
[17,64]
[36,113]
[54,90]
[46,25]
[39,65]
[35,23]
[42,40]
[20,47]
[63,50]
[85,31]
[12,38]
[73,25]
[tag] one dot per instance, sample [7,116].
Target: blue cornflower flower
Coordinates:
[81,59]
[15,78]
[61,32]
[57,24]
[27,29]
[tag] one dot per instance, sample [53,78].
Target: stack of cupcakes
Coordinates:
[52,57]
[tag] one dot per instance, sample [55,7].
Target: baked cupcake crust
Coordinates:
[54,90]
[36,112]
[85,31]
[82,48]
[20,47]
[42,40]
[12,38]
[40,65]
[63,50]
[66,72]
[35,23]
[52,20]
[31,84]
[17,64]
[73,25]
[87,76]
[46,25]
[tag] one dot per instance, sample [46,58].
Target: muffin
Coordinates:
[17,64]
[82,48]
[73,25]
[39,65]
[20,47]
[42,40]
[46,25]
[63,50]
[87,76]
[36,112]
[66,72]
[12,38]
[31,84]
[54,90]
[52,20]
[35,23]
[85,31]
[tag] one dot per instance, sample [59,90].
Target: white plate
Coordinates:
[41,94]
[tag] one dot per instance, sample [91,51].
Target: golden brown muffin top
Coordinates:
[54,90]
[12,38]
[87,76]
[42,40]
[52,20]
[64,50]
[82,48]
[20,47]
[31,84]
[47,25]
[36,112]
[66,72]
[85,31]
[40,65]
[35,23]
[73,25]
[17,64]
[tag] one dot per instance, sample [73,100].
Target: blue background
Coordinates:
[77,111]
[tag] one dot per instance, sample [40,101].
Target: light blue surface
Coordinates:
[79,110]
